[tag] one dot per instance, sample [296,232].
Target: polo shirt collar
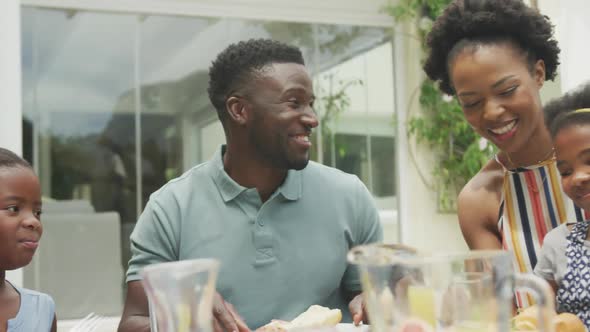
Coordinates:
[228,188]
[291,189]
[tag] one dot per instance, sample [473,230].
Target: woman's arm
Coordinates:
[478,207]
[554,287]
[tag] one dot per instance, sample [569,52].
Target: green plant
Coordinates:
[460,151]
[333,100]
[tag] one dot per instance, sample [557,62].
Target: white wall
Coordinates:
[572,27]
[10,87]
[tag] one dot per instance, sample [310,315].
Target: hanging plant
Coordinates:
[460,151]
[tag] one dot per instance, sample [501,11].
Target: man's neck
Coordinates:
[253,173]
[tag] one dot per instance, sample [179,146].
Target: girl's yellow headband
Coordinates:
[582,110]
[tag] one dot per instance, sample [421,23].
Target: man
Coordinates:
[280,225]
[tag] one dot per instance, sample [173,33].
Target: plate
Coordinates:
[349,327]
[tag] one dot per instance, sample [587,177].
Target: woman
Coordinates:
[494,56]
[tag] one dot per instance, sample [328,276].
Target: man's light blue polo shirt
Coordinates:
[277,258]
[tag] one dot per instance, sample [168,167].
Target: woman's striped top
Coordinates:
[533,203]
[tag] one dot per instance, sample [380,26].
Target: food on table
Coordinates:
[314,317]
[527,320]
[524,326]
[568,322]
[275,325]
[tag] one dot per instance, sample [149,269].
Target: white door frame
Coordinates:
[10,89]
[350,12]
[10,77]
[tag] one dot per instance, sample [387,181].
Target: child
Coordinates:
[20,230]
[565,256]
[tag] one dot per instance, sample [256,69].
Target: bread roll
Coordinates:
[315,316]
[567,322]
[526,320]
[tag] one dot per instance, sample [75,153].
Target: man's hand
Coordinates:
[225,317]
[135,317]
[358,310]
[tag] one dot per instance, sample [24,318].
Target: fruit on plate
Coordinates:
[314,317]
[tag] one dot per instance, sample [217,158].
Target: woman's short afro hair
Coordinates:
[481,22]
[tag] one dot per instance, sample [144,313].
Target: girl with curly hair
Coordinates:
[494,56]
[21,309]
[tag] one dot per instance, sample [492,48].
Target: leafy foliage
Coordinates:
[333,100]
[407,9]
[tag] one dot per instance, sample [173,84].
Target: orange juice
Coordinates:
[422,303]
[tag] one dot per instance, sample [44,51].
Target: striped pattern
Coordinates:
[533,204]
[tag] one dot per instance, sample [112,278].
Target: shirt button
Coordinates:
[260,222]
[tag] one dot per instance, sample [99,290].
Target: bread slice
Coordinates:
[566,322]
[315,316]
[275,326]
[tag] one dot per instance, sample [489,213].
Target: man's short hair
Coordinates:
[238,64]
